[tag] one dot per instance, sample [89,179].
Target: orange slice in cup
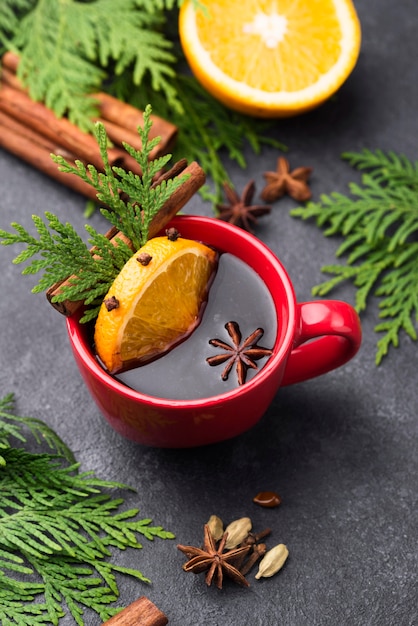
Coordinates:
[151,307]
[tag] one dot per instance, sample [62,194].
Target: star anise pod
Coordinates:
[242,354]
[283,181]
[239,210]
[214,560]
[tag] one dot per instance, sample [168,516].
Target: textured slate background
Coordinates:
[341,450]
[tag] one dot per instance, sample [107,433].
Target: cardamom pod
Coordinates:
[237,532]
[272,561]
[216,527]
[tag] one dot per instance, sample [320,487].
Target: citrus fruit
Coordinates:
[270,58]
[152,306]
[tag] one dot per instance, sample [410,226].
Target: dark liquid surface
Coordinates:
[237,294]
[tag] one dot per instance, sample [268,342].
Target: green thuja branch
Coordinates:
[132,200]
[58,530]
[132,217]
[67,50]
[11,426]
[379,224]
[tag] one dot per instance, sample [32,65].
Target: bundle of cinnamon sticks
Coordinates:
[31,131]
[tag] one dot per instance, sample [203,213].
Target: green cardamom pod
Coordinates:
[216,527]
[237,532]
[272,561]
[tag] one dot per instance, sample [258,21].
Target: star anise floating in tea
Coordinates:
[214,560]
[243,354]
[239,210]
[283,181]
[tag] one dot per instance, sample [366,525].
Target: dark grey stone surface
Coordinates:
[341,449]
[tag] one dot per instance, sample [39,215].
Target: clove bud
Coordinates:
[144,258]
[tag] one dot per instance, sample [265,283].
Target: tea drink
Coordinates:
[236,294]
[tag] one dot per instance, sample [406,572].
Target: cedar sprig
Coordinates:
[99,39]
[58,530]
[63,252]
[378,223]
[11,426]
[386,168]
[133,216]
[60,251]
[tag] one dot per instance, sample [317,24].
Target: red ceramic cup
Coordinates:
[313,338]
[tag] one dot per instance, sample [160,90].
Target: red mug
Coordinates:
[313,338]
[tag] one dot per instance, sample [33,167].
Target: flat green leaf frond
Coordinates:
[386,168]
[68,48]
[57,526]
[51,65]
[15,611]
[11,562]
[378,224]
[132,216]
[64,253]
[11,12]
[399,304]
[13,426]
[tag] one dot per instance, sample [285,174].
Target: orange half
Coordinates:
[270,58]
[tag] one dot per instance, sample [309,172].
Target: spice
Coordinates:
[237,531]
[242,354]
[172,234]
[214,560]
[283,181]
[144,258]
[111,303]
[273,561]
[216,527]
[242,563]
[253,538]
[258,550]
[239,210]
[142,612]
[268,499]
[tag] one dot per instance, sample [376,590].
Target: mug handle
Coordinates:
[333,332]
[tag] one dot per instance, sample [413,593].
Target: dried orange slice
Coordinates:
[156,304]
[270,58]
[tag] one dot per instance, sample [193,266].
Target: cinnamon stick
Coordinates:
[35,150]
[119,134]
[177,200]
[11,79]
[126,115]
[13,125]
[38,117]
[142,612]
[10,60]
